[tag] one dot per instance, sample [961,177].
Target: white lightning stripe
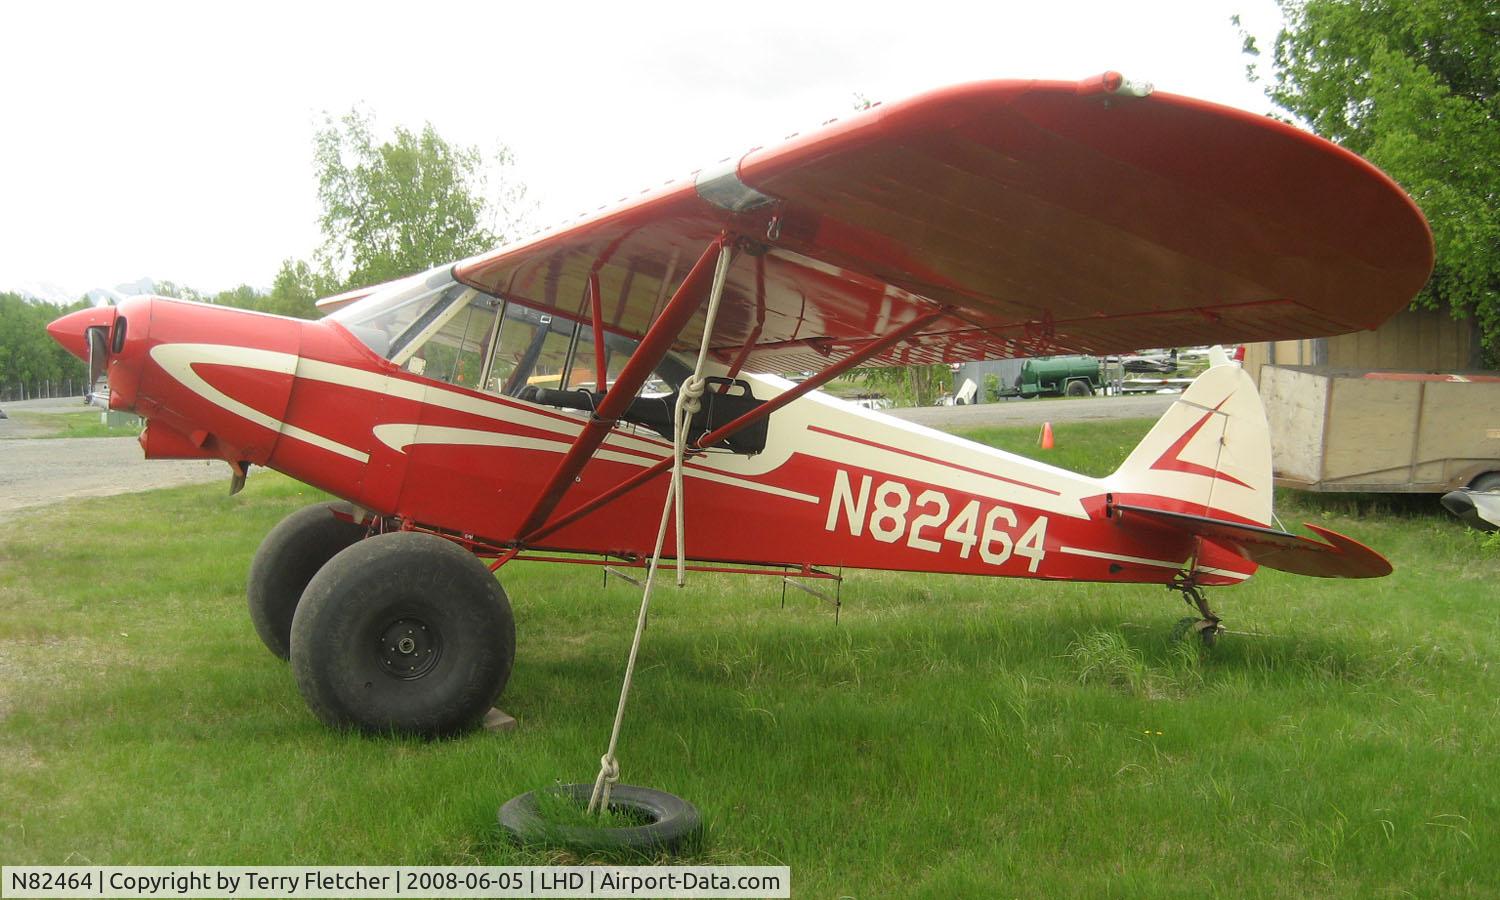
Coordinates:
[1226,573]
[359,379]
[177,360]
[1100,554]
[400,437]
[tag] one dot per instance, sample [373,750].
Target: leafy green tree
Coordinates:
[296,287]
[243,297]
[906,385]
[178,291]
[400,206]
[1413,86]
[30,361]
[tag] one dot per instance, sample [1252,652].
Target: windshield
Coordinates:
[391,318]
[432,325]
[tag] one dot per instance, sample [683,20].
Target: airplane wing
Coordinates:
[1044,216]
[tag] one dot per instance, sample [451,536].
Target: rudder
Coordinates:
[1209,455]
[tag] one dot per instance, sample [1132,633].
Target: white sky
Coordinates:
[175,140]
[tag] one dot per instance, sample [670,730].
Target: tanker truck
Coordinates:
[1057,376]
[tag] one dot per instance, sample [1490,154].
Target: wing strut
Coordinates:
[648,354]
[596,312]
[863,353]
[760,322]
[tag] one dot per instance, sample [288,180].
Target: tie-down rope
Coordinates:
[689,401]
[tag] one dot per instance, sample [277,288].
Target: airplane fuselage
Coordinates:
[836,485]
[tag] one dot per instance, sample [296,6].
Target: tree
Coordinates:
[296,287]
[244,297]
[398,207]
[29,359]
[177,291]
[906,385]
[1414,87]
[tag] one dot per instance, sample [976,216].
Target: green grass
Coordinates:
[948,737]
[1092,448]
[79,424]
[556,807]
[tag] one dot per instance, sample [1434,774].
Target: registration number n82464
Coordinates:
[926,521]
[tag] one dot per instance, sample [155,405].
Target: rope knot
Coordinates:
[609,769]
[691,396]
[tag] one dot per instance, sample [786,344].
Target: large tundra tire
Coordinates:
[404,632]
[288,558]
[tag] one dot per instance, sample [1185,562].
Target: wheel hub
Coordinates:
[409,648]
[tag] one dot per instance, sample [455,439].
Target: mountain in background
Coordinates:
[55,293]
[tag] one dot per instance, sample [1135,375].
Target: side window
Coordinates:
[532,349]
[554,355]
[617,351]
[455,352]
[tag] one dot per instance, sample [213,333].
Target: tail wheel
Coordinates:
[288,558]
[403,632]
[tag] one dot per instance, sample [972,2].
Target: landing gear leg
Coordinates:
[1207,628]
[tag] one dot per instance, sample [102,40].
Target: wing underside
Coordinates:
[1041,216]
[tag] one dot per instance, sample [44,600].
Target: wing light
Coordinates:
[722,187]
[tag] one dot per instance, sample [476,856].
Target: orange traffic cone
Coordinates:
[1046,437]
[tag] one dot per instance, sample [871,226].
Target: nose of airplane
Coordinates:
[71,331]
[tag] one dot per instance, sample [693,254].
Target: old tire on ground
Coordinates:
[671,822]
[1078,389]
[288,558]
[403,632]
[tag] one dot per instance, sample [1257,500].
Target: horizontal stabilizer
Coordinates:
[1340,557]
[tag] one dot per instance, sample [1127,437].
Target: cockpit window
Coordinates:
[532,349]
[389,319]
[453,347]
[434,326]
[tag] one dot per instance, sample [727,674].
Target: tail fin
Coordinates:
[1210,455]
[1205,469]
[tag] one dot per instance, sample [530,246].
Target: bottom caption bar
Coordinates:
[395,881]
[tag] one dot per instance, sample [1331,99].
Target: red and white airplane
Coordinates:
[519,405]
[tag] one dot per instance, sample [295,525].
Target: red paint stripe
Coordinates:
[940,462]
[1424,376]
[1177,464]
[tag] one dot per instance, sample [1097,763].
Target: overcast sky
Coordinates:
[175,140]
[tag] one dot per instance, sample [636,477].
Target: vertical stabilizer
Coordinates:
[1210,455]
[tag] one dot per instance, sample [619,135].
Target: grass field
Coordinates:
[948,737]
[87,423]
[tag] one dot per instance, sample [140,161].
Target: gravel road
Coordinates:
[38,472]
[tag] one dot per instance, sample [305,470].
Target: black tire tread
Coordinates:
[675,823]
[392,575]
[286,560]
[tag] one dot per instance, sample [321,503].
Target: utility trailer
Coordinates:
[1382,431]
